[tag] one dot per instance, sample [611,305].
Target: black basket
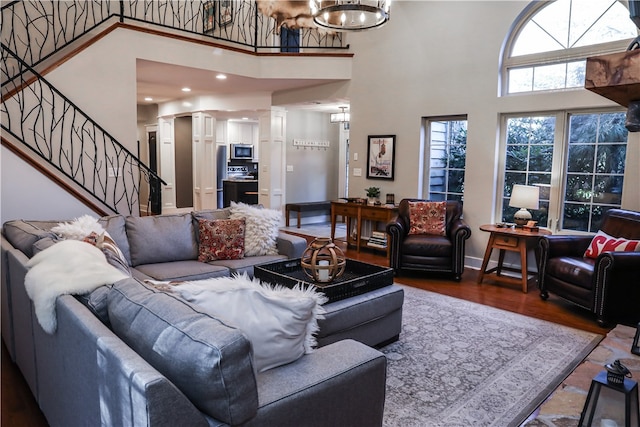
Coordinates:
[358,278]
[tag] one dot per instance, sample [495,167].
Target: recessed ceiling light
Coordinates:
[221,77]
[245,118]
[148,98]
[186,89]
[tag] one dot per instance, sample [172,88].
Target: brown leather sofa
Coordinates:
[609,285]
[426,252]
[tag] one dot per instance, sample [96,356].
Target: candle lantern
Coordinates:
[323,261]
[612,400]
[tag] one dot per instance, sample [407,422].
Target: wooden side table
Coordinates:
[514,240]
[359,212]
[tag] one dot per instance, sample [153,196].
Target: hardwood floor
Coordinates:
[20,409]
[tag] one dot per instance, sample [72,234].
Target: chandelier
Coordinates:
[341,117]
[350,15]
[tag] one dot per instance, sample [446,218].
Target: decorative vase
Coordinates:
[323,261]
[372,200]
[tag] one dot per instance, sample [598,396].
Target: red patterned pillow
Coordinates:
[221,239]
[602,242]
[427,218]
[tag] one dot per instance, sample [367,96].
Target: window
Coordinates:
[548,49]
[587,161]
[447,142]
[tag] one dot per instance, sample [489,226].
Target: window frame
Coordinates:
[559,169]
[560,56]
[426,129]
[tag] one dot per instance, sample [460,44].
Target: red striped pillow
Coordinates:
[602,242]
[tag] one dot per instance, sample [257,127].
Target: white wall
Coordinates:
[314,177]
[27,194]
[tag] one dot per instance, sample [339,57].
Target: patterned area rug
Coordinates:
[459,363]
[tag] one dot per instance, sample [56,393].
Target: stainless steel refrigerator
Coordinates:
[221,172]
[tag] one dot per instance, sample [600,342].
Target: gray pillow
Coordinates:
[22,234]
[162,238]
[207,360]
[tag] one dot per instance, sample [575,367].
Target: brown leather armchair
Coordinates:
[428,252]
[608,286]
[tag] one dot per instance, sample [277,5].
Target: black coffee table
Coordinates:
[358,277]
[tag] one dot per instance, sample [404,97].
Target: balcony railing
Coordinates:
[36,29]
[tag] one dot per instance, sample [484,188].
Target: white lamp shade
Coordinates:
[524,196]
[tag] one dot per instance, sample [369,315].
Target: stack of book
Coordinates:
[378,239]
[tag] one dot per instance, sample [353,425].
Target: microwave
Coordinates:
[241,151]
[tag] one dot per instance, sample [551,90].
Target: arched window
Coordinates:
[550,41]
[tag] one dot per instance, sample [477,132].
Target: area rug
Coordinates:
[459,363]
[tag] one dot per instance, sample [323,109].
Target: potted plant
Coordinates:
[373,194]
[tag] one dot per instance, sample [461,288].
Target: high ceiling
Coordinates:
[164,83]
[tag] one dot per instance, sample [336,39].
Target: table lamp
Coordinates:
[524,197]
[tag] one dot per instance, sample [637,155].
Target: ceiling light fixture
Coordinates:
[350,15]
[186,89]
[148,99]
[221,77]
[340,117]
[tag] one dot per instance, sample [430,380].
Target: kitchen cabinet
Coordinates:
[244,191]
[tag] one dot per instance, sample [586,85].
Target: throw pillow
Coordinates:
[280,322]
[427,218]
[221,239]
[262,228]
[602,242]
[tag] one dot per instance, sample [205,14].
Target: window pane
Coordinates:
[521,80]
[447,158]
[549,77]
[529,157]
[611,158]
[581,157]
[595,168]
[575,74]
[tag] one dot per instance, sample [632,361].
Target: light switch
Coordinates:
[355,156]
[357,172]
[289,168]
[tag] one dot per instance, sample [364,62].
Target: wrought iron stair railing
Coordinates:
[58,132]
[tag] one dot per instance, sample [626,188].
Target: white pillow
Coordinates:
[262,227]
[79,228]
[280,322]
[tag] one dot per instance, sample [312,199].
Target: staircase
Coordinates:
[51,132]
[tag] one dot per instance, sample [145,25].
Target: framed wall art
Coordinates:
[381,154]
[226,12]
[208,16]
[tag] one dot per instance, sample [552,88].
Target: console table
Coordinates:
[510,239]
[359,212]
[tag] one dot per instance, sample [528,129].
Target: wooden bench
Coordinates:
[306,207]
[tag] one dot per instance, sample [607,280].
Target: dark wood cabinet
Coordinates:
[245,191]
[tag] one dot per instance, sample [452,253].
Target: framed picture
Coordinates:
[226,12]
[381,155]
[208,16]
[635,347]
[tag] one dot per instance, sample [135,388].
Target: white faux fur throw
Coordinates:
[68,267]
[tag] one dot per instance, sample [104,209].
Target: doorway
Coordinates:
[183,161]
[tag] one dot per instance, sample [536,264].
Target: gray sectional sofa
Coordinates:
[87,374]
